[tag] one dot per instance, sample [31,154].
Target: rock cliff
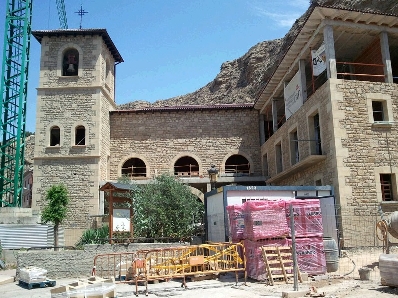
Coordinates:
[240,80]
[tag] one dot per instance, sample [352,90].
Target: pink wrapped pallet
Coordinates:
[310,255]
[307,217]
[265,219]
[236,222]
[255,266]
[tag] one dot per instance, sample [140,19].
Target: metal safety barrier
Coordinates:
[168,263]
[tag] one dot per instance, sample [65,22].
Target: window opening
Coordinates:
[278,155]
[134,167]
[378,113]
[80,137]
[265,165]
[186,166]
[55,136]
[237,165]
[386,187]
[70,63]
[294,148]
[317,135]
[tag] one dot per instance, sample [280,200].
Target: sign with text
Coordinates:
[318,60]
[293,95]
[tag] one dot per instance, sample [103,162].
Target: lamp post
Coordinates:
[213,176]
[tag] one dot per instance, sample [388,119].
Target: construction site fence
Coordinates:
[169,263]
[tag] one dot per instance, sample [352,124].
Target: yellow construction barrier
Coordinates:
[168,263]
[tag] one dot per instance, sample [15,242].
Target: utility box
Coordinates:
[216,201]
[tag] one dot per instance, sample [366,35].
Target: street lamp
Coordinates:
[213,176]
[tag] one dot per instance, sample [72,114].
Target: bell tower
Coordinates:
[76,92]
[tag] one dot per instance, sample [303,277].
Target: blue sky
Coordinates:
[170,47]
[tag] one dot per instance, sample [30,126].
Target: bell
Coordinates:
[71,68]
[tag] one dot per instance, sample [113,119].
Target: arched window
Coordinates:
[237,165]
[186,166]
[55,136]
[70,62]
[134,167]
[80,135]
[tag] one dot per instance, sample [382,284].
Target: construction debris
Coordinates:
[93,287]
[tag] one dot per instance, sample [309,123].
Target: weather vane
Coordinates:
[81,12]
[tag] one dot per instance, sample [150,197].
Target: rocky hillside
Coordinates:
[240,80]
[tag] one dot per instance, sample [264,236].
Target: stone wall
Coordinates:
[69,102]
[356,149]
[77,263]
[159,138]
[324,170]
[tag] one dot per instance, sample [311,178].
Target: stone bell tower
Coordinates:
[75,95]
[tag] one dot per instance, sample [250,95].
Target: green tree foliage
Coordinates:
[56,208]
[165,208]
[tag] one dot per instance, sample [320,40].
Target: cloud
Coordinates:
[282,15]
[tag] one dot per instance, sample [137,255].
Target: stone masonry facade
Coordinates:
[356,149]
[160,138]
[67,102]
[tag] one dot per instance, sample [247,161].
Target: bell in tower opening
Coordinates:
[70,63]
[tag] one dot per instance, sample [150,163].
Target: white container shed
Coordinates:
[216,223]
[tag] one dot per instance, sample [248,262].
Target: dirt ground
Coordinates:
[224,286]
[345,282]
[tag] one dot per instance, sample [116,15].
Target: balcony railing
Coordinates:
[360,71]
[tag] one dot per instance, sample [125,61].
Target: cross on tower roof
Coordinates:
[81,12]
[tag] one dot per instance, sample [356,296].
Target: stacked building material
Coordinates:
[255,266]
[310,255]
[308,231]
[236,222]
[307,217]
[32,274]
[265,219]
[267,223]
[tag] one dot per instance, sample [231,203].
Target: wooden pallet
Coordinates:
[41,284]
[279,263]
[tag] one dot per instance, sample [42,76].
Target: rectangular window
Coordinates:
[55,136]
[294,148]
[318,182]
[80,136]
[314,133]
[317,135]
[265,165]
[386,182]
[278,156]
[378,111]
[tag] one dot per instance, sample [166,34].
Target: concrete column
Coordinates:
[262,131]
[329,51]
[303,79]
[385,54]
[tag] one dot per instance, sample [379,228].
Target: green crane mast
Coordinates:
[13,90]
[62,14]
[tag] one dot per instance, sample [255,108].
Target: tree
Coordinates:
[55,211]
[165,208]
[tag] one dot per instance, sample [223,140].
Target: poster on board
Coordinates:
[121,220]
[318,60]
[293,95]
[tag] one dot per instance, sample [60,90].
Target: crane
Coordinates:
[13,90]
